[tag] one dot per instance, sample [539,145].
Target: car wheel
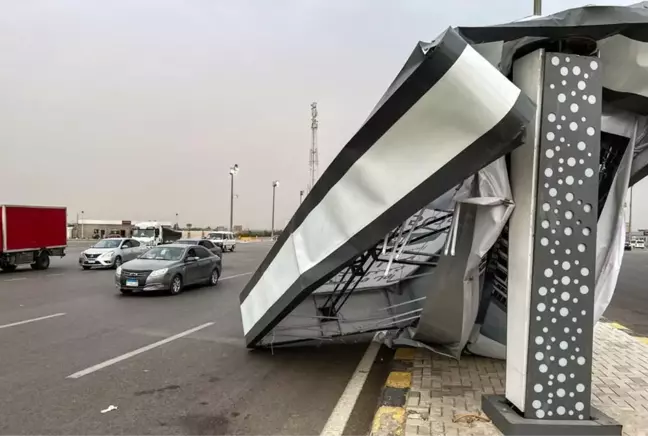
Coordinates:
[213,279]
[176,285]
[233,246]
[118,262]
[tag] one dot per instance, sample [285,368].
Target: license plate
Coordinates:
[132,282]
[90,261]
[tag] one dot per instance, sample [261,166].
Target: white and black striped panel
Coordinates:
[451,117]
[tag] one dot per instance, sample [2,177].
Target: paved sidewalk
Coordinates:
[445,395]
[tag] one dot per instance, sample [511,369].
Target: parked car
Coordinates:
[639,244]
[169,267]
[209,245]
[628,246]
[111,253]
[225,240]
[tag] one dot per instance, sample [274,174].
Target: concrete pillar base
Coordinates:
[510,422]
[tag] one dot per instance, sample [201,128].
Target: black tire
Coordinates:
[85,268]
[9,268]
[117,263]
[232,249]
[176,285]
[42,262]
[126,291]
[213,278]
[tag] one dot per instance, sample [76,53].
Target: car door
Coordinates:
[137,249]
[192,267]
[126,250]
[205,263]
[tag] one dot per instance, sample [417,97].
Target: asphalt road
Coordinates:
[629,305]
[206,382]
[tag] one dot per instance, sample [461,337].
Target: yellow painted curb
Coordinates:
[388,421]
[399,379]
[405,354]
[616,325]
[643,340]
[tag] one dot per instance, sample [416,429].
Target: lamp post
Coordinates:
[82,233]
[537,7]
[177,221]
[233,170]
[301,196]
[275,183]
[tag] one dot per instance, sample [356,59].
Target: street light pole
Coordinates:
[630,212]
[82,224]
[274,189]
[233,170]
[537,7]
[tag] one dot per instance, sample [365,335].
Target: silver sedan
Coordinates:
[111,253]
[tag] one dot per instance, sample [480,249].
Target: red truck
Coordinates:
[30,235]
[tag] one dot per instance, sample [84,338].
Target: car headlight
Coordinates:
[118,271]
[108,255]
[159,272]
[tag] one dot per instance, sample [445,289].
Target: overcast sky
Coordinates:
[136,109]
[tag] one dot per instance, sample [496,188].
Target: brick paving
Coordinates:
[445,396]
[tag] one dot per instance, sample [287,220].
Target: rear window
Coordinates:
[183,242]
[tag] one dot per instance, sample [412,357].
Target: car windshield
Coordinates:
[108,243]
[216,236]
[143,233]
[185,242]
[164,253]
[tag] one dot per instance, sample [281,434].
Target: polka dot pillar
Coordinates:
[561,321]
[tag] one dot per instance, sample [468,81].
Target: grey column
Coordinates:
[564,251]
[552,252]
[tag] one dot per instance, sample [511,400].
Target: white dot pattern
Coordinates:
[567,191]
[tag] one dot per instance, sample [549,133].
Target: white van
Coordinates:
[225,240]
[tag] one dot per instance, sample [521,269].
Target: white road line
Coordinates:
[237,275]
[340,416]
[136,352]
[27,321]
[17,279]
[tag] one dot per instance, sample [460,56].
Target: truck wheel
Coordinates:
[9,268]
[42,262]
[233,247]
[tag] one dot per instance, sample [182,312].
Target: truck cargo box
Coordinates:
[32,227]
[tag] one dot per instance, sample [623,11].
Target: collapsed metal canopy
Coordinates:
[360,253]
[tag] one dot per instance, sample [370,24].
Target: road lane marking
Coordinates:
[237,275]
[134,353]
[342,412]
[17,279]
[27,321]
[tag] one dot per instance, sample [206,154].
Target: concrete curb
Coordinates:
[390,418]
